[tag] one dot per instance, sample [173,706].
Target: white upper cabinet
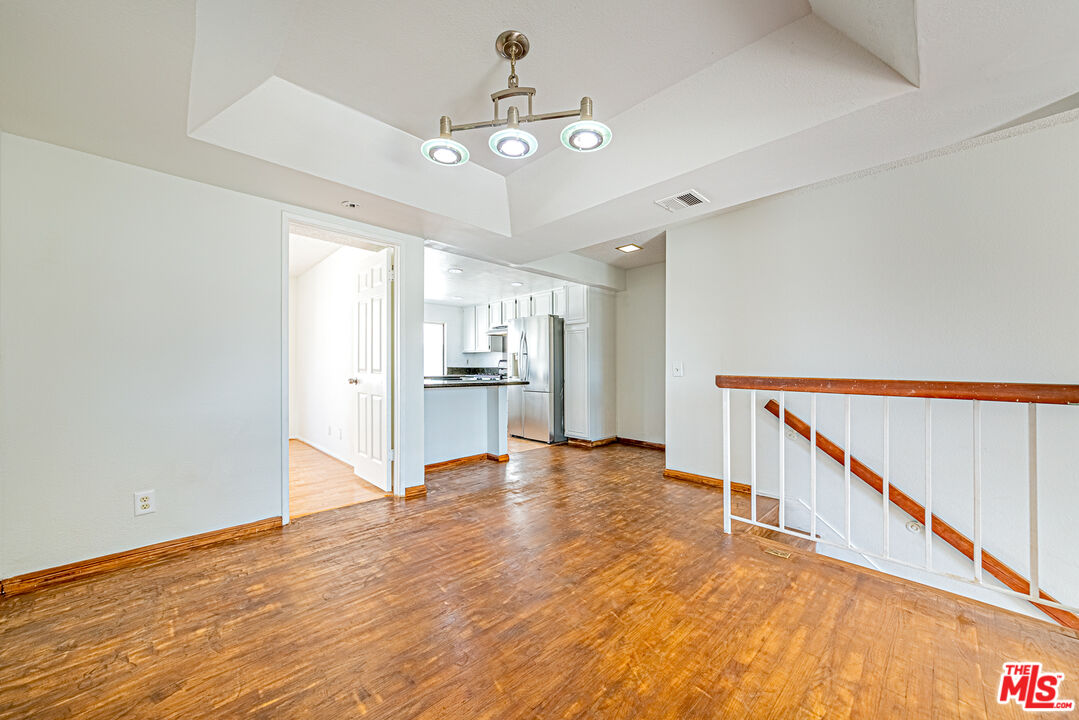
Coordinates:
[543,303]
[576,310]
[480,341]
[524,306]
[558,302]
[495,315]
[509,311]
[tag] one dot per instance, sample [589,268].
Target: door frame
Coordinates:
[367,235]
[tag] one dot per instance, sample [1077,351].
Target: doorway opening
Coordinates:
[341,300]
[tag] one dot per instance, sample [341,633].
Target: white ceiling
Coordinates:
[653,250]
[304,253]
[316,101]
[481,282]
[388,61]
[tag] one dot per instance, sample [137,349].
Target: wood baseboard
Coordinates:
[577,442]
[96,566]
[498,458]
[415,491]
[704,480]
[454,462]
[641,443]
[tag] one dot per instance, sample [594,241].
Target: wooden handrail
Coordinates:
[916,510]
[945,390]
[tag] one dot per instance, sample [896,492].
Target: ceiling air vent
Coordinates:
[681,201]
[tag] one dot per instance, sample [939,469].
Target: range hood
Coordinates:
[498,330]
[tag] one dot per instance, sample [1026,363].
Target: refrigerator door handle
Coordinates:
[524,357]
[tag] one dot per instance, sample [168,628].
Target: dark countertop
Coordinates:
[439,383]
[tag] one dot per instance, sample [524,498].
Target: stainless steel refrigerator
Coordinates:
[534,353]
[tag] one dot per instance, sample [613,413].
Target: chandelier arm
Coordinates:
[499,122]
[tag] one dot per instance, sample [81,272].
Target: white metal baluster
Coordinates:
[928,484]
[726,460]
[977,490]
[782,458]
[813,466]
[886,485]
[846,469]
[1032,463]
[753,455]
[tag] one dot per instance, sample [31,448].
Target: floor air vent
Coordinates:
[682,200]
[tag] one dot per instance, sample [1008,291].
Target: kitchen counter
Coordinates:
[441,383]
[465,419]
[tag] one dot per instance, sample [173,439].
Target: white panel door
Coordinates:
[370,381]
[576,381]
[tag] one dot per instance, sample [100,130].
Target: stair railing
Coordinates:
[976,393]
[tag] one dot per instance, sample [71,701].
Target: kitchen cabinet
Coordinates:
[575,368]
[576,310]
[481,323]
[495,315]
[509,311]
[542,303]
[558,302]
[524,306]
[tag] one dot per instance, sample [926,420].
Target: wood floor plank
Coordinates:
[318,482]
[563,584]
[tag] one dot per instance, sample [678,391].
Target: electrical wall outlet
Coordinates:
[145,502]
[791,435]
[676,370]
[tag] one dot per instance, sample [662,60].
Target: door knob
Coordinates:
[353,381]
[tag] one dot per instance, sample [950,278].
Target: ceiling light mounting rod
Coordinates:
[584,135]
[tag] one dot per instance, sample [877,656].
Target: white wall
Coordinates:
[141,333]
[325,297]
[452,317]
[640,340]
[961,266]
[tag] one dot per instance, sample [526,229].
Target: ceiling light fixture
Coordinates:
[628,248]
[516,284]
[455,270]
[582,135]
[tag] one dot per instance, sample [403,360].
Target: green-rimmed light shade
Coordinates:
[444,151]
[513,143]
[586,136]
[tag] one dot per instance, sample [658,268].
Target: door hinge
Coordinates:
[392,455]
[393,274]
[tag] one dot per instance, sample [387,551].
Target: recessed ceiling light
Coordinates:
[350,204]
[516,284]
[628,248]
[456,297]
[455,270]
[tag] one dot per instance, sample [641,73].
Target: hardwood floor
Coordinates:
[318,482]
[566,584]
[520,445]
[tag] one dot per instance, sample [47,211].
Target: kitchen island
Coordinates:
[465,419]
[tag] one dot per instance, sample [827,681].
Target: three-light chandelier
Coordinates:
[581,135]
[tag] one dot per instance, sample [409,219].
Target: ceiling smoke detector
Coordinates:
[682,200]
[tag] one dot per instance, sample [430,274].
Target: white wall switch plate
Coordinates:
[677,371]
[145,502]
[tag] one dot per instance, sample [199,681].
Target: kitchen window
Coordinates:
[434,349]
